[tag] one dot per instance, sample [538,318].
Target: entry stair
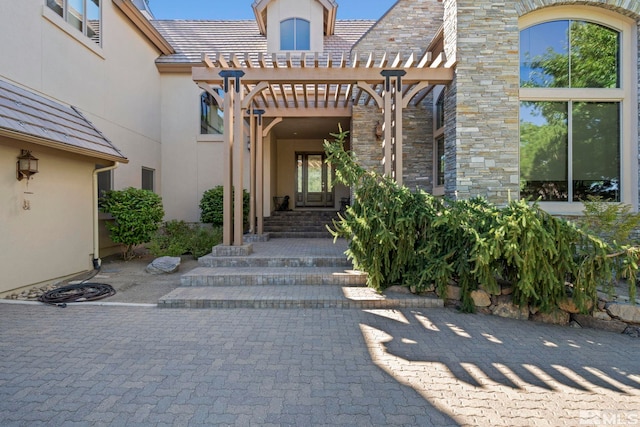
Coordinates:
[284,273]
[300,224]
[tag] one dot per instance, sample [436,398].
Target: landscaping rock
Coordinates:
[481,298]
[554,317]
[625,312]
[398,289]
[601,315]
[587,321]
[570,307]
[511,311]
[453,293]
[507,290]
[164,265]
[632,331]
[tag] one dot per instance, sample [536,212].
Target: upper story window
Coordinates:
[573,111]
[211,117]
[438,146]
[83,15]
[295,34]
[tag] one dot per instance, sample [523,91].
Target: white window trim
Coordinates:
[59,22]
[295,41]
[627,94]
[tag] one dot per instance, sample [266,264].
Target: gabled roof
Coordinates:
[27,116]
[191,39]
[330,8]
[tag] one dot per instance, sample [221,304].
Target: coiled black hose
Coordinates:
[77,293]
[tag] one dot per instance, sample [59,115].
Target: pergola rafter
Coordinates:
[292,85]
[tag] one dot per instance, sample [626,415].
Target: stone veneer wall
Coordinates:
[484,135]
[407,28]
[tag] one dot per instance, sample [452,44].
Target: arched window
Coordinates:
[572,90]
[295,34]
[211,118]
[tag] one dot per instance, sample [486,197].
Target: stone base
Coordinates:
[250,238]
[223,250]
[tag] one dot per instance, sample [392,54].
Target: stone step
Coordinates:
[272,276]
[274,261]
[300,235]
[306,296]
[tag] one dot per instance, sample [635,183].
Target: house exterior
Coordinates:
[459,98]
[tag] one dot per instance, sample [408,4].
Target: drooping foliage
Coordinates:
[413,239]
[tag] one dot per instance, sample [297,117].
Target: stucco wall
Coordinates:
[279,10]
[54,237]
[116,85]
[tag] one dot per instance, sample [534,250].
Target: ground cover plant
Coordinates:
[176,238]
[413,239]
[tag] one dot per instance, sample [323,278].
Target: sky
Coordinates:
[241,9]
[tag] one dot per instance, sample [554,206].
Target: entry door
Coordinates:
[314,181]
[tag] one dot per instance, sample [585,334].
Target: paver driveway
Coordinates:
[91,365]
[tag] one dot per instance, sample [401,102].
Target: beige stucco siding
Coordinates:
[54,237]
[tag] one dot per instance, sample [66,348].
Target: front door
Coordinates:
[314,180]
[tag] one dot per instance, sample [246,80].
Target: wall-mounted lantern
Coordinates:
[26,165]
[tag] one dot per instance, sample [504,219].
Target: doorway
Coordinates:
[314,181]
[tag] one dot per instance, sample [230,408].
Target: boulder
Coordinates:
[570,307]
[587,321]
[164,265]
[601,315]
[625,312]
[511,311]
[632,331]
[481,298]
[555,317]
[453,292]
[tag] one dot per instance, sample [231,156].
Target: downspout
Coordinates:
[96,243]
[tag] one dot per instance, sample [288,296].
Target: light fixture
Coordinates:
[26,165]
[379,131]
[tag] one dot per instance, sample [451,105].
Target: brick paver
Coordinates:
[92,365]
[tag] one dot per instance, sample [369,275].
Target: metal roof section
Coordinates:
[27,116]
[191,38]
[330,9]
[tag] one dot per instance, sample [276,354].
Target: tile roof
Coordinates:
[192,38]
[26,113]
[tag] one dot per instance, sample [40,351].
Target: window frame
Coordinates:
[69,27]
[213,106]
[438,134]
[626,95]
[153,178]
[296,48]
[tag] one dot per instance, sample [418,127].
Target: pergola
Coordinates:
[307,85]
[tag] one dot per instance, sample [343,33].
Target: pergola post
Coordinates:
[259,175]
[236,154]
[227,167]
[393,105]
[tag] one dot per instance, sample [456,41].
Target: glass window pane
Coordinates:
[543,150]
[596,150]
[211,117]
[544,55]
[287,35]
[314,173]
[595,52]
[147,179]
[56,6]
[93,20]
[303,35]
[75,13]
[440,159]
[300,174]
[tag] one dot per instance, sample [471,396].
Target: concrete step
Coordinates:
[294,296]
[274,261]
[272,276]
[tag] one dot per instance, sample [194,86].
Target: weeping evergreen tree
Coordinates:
[400,237]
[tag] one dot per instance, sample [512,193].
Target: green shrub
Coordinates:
[176,238]
[416,240]
[211,208]
[612,222]
[136,217]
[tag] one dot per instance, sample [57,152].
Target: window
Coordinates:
[105,182]
[211,117]
[83,15]
[148,176]
[571,111]
[438,146]
[295,34]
